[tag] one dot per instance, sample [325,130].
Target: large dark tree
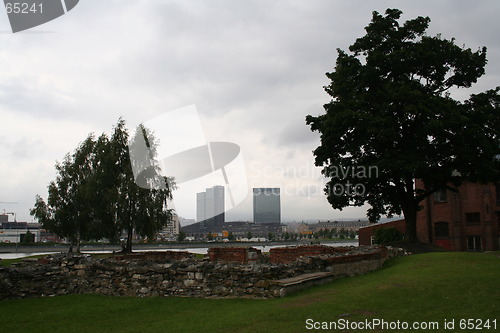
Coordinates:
[391,120]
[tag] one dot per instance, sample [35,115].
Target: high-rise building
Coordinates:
[210,207]
[200,207]
[266,205]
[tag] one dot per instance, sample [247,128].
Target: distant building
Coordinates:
[183,221]
[200,207]
[464,220]
[210,207]
[14,232]
[266,205]
[171,230]
[309,228]
[261,230]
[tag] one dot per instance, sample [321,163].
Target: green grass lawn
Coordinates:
[7,262]
[424,287]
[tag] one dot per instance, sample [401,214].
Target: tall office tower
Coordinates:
[200,207]
[219,216]
[266,205]
[210,207]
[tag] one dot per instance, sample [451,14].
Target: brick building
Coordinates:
[367,234]
[464,220]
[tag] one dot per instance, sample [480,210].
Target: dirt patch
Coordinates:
[310,300]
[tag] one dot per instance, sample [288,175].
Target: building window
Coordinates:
[372,240]
[441,230]
[497,192]
[474,243]
[440,196]
[472,218]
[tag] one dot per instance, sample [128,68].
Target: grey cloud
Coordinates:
[268,58]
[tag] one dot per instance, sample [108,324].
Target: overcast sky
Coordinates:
[254,70]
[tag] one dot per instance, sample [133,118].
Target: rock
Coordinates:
[189,283]
[262,284]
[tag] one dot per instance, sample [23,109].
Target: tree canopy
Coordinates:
[95,194]
[391,120]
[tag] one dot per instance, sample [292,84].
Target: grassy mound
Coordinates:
[427,287]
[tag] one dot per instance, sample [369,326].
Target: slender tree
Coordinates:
[142,199]
[392,120]
[95,194]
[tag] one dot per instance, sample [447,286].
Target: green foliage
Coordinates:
[181,236]
[386,235]
[352,234]
[391,120]
[29,238]
[95,194]
[231,236]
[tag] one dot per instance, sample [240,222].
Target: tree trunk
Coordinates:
[410,214]
[78,246]
[128,246]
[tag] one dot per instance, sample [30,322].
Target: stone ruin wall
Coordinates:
[285,255]
[228,272]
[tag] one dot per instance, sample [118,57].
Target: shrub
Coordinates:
[386,235]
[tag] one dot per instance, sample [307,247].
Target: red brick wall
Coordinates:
[283,255]
[233,254]
[469,198]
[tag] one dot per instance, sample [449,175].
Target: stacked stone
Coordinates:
[174,274]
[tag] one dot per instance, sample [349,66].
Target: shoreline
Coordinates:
[163,246]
